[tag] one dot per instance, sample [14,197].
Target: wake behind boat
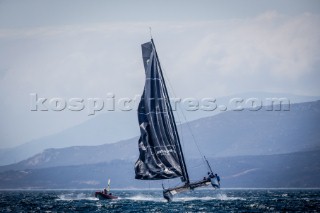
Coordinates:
[161,155]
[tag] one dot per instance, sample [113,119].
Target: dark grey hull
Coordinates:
[168,193]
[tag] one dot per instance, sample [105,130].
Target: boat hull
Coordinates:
[168,193]
[102,196]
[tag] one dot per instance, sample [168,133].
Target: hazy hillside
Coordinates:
[257,132]
[115,126]
[98,130]
[77,155]
[286,170]
[227,134]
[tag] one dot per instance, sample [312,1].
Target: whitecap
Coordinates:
[73,196]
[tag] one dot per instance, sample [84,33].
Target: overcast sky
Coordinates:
[207,49]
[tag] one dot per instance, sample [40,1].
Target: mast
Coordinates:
[181,156]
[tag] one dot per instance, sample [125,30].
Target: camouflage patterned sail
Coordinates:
[161,156]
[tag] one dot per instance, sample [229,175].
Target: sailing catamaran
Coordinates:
[161,155]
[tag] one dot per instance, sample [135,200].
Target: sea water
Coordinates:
[225,200]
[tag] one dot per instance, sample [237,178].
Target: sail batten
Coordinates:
[160,150]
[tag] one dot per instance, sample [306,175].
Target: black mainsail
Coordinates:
[161,155]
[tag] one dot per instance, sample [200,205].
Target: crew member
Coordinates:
[218,178]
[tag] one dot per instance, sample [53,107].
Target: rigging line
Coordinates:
[172,94]
[188,125]
[176,113]
[182,159]
[180,126]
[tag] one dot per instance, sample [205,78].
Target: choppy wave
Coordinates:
[76,196]
[151,198]
[142,197]
[152,201]
[223,196]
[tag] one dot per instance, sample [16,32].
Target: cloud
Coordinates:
[270,52]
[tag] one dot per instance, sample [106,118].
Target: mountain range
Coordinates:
[298,170]
[232,133]
[118,126]
[258,146]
